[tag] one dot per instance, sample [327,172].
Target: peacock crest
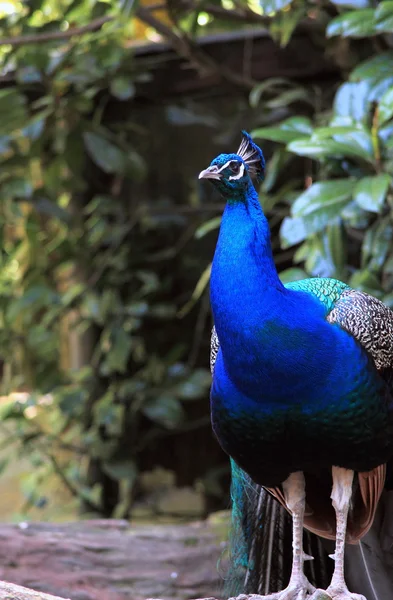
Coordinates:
[252,156]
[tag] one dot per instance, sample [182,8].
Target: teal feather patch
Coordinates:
[328,291]
[241,533]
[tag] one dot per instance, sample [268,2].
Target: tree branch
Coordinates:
[190,51]
[238,14]
[41,38]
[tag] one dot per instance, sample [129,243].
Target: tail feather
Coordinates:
[260,548]
[369,564]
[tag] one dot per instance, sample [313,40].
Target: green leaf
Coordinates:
[73,293]
[352,101]
[198,291]
[11,409]
[293,128]
[36,297]
[380,65]
[313,209]
[292,232]
[28,74]
[336,245]
[19,187]
[352,3]
[370,192]
[292,274]
[272,6]
[316,148]
[277,162]
[122,88]
[385,106]
[273,85]
[183,116]
[384,17]
[330,132]
[321,195]
[289,97]
[195,386]
[164,410]
[117,356]
[283,27]
[51,208]
[207,227]
[105,154]
[366,281]
[355,142]
[358,23]
[376,244]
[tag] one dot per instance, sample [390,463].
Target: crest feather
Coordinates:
[252,156]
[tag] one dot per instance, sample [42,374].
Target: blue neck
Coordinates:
[244,280]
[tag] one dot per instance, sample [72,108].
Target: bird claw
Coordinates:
[294,591]
[335,594]
[305,591]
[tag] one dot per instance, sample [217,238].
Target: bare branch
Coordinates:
[187,49]
[41,38]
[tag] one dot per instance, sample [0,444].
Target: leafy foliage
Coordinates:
[94,283]
[87,306]
[341,223]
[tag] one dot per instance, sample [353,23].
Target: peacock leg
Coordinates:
[341,497]
[298,587]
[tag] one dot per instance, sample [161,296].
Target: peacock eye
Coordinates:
[235,167]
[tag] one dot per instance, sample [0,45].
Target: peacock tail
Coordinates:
[260,542]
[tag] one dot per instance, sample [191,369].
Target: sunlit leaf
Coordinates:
[292,274]
[352,3]
[354,142]
[379,65]
[384,17]
[272,6]
[385,106]
[370,192]
[336,245]
[293,128]
[358,23]
[322,195]
[122,88]
[315,208]
[207,227]
[198,291]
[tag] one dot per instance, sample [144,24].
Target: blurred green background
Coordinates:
[108,111]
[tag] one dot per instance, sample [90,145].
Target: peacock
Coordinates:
[301,401]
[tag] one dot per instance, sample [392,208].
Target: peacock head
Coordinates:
[231,173]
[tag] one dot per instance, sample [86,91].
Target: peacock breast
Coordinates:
[271,436]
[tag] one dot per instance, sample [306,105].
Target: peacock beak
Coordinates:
[210,173]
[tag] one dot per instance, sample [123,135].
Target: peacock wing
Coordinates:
[370,322]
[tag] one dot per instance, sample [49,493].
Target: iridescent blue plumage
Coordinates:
[294,390]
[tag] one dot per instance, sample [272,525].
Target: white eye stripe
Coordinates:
[239,175]
[224,166]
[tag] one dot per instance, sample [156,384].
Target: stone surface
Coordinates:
[109,560]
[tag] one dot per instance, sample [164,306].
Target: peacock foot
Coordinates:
[296,590]
[336,593]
